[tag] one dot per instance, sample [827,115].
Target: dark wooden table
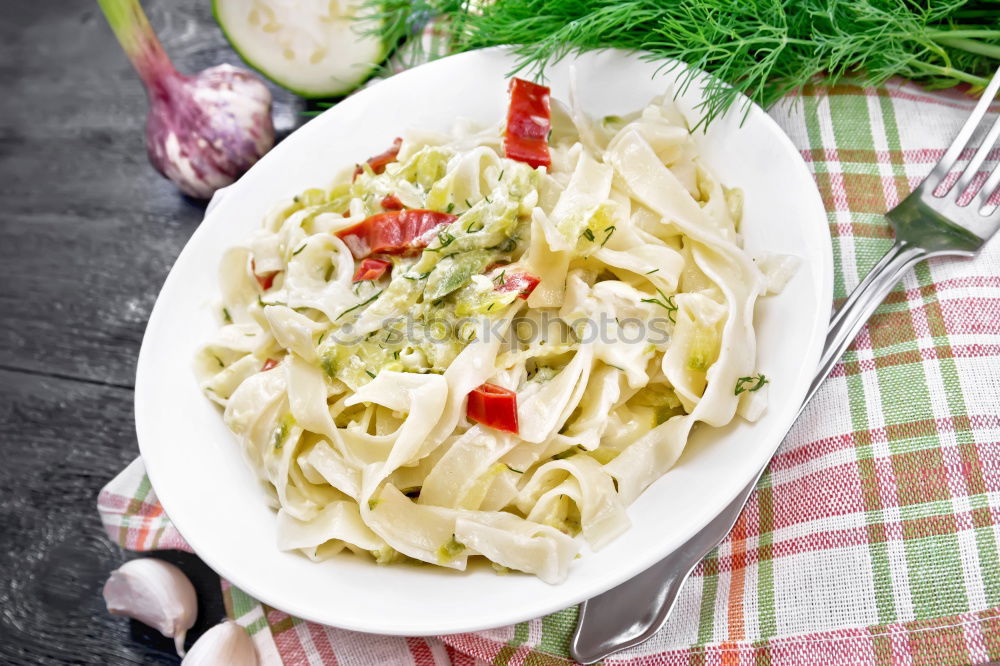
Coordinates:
[88,232]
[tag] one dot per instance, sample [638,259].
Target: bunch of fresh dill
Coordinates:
[763,48]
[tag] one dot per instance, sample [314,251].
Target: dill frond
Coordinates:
[764,49]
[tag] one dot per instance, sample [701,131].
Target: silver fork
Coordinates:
[926,225]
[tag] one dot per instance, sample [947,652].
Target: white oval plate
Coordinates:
[209,492]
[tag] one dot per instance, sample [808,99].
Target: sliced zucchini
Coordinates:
[454,274]
[312,47]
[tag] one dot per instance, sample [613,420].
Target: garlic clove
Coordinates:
[226,643]
[156,593]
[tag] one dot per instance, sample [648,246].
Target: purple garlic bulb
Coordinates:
[203,131]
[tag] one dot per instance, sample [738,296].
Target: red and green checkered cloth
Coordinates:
[873,536]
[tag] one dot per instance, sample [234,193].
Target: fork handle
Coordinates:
[635,610]
[847,322]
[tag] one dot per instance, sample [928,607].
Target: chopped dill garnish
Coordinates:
[588,234]
[665,302]
[444,240]
[507,245]
[651,272]
[362,304]
[422,276]
[750,384]
[609,230]
[301,247]
[228,318]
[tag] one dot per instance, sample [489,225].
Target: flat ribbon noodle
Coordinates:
[357,421]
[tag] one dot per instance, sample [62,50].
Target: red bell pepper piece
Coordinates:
[378,162]
[493,406]
[394,232]
[528,124]
[392,202]
[371,269]
[265,280]
[522,283]
[268,365]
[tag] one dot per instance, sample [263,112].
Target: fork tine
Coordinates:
[990,187]
[947,161]
[972,168]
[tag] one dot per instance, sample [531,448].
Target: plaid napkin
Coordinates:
[873,536]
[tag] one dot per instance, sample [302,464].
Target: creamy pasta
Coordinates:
[450,354]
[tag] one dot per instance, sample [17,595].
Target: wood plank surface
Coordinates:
[62,441]
[88,232]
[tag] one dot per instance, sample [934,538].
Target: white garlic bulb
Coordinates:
[226,643]
[156,593]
